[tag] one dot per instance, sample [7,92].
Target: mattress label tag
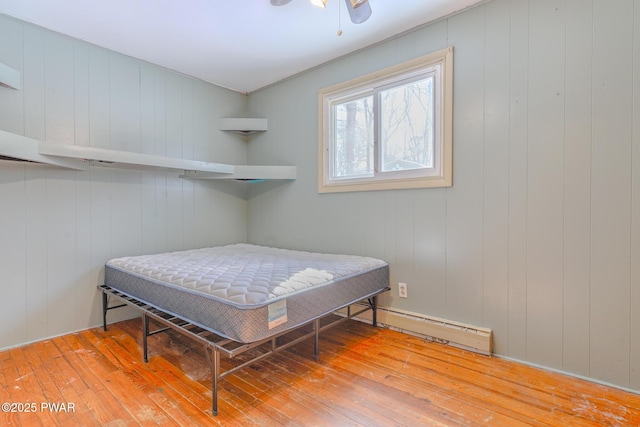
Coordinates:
[277,313]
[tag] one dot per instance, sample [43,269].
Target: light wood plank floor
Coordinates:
[364,377]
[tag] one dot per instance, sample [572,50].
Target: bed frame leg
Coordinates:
[214,363]
[374,309]
[316,343]
[145,335]
[105,305]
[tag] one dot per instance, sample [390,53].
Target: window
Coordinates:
[390,129]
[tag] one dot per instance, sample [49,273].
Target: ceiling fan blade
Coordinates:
[279,2]
[360,12]
[358,3]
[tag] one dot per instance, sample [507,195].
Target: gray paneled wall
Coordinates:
[58,227]
[539,237]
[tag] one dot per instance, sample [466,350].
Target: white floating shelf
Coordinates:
[17,147]
[22,148]
[114,158]
[9,77]
[250,173]
[243,126]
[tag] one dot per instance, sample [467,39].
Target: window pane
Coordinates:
[407,126]
[353,141]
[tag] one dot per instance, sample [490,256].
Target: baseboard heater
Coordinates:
[458,334]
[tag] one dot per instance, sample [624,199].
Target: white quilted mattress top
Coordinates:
[245,274]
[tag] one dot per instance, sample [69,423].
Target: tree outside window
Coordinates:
[388,131]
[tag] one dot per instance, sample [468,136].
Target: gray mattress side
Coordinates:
[252,323]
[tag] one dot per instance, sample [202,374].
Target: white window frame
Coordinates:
[439,176]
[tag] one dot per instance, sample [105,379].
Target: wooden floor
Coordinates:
[364,377]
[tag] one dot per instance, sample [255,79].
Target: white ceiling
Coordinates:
[243,45]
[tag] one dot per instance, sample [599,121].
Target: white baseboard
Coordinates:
[471,337]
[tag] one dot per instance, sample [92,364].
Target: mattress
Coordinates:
[247,292]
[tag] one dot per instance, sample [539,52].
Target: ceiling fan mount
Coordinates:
[359,10]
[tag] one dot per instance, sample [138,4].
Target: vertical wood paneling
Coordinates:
[544,180]
[160,138]
[36,251]
[203,113]
[634,361]
[60,186]
[88,307]
[59,93]
[464,199]
[33,80]
[538,238]
[388,228]
[100,135]
[148,205]
[533,239]
[126,210]
[305,206]
[405,242]
[175,219]
[35,186]
[496,173]
[61,249]
[101,225]
[60,226]
[428,286]
[429,253]
[577,185]
[611,190]
[34,120]
[11,101]
[81,117]
[518,171]
[173,141]
[370,244]
[188,201]
[13,304]
[124,122]
[124,103]
[148,213]
[147,106]
[187,119]
[279,120]
[99,93]
[173,115]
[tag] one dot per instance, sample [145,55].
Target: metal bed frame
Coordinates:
[215,344]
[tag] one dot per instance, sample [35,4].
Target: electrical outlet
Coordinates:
[402,290]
